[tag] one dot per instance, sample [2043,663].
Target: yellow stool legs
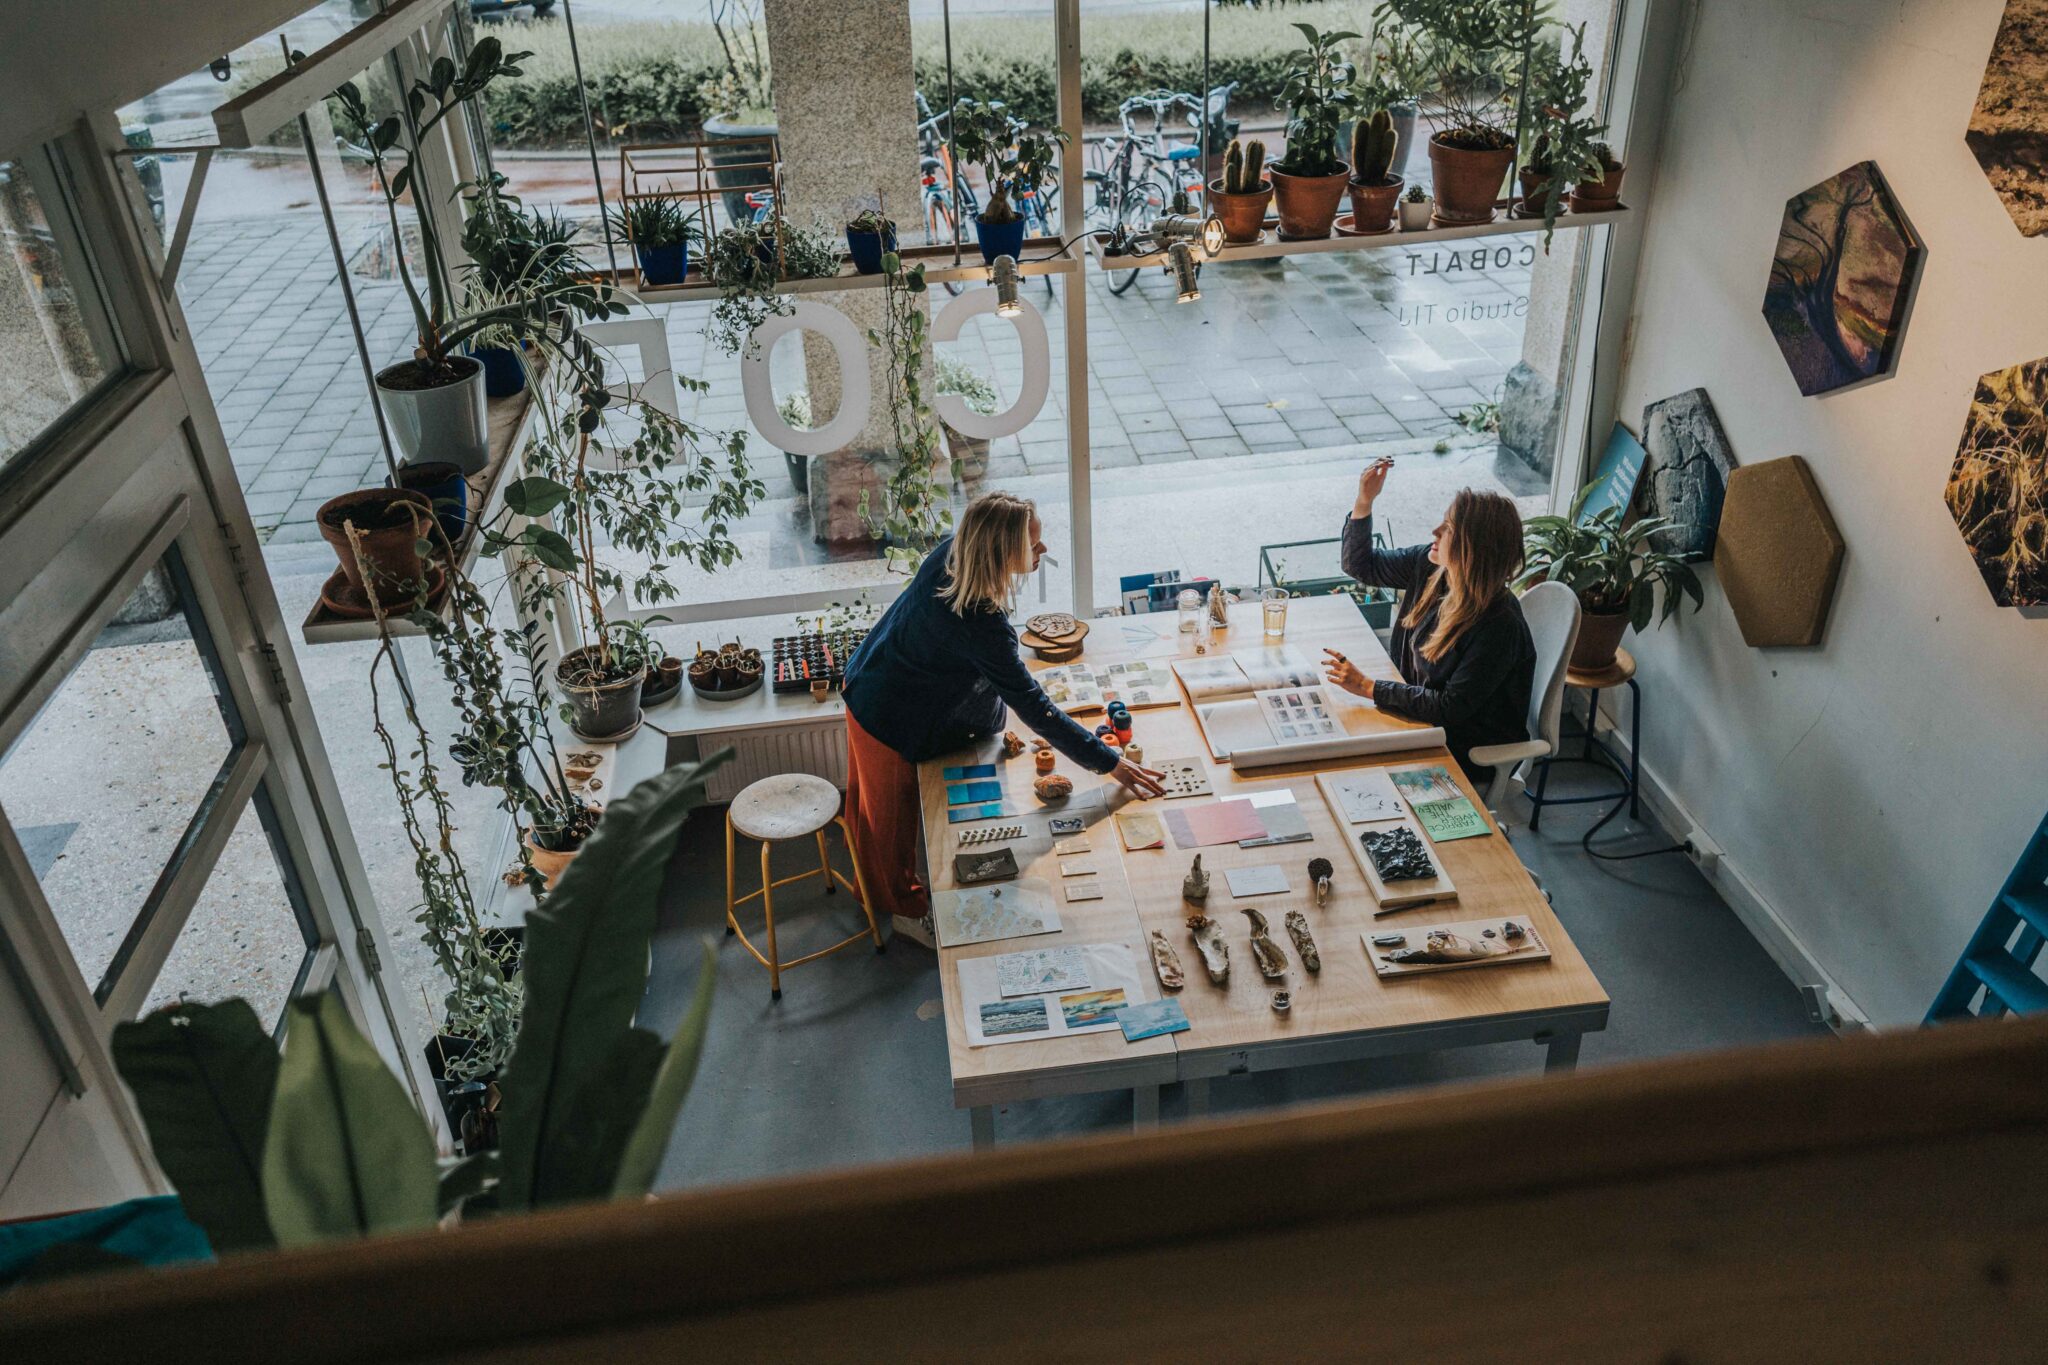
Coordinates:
[834,879]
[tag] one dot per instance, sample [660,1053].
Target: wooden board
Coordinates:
[1397,895]
[1535,951]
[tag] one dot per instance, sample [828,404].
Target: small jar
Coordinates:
[1189,609]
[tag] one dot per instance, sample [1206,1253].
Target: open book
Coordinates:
[1269,706]
[1217,676]
[1084,687]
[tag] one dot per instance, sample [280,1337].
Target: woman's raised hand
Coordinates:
[1345,674]
[1139,781]
[1371,480]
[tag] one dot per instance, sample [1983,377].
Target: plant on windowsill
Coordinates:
[1243,192]
[1475,53]
[661,230]
[1417,208]
[1015,161]
[515,253]
[1599,193]
[970,453]
[1565,146]
[915,510]
[1375,189]
[742,261]
[1309,181]
[1612,568]
[869,235]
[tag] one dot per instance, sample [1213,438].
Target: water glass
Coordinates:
[1274,600]
[1189,605]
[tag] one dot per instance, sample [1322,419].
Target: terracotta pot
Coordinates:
[1243,215]
[1535,187]
[1600,635]
[1307,204]
[390,523]
[599,710]
[546,861]
[1467,181]
[1598,196]
[1372,206]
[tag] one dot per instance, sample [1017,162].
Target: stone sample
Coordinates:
[1688,463]
[2010,123]
[1304,942]
[1397,854]
[1998,486]
[1195,886]
[1778,554]
[1272,963]
[1840,279]
[1053,787]
[1208,936]
[1166,963]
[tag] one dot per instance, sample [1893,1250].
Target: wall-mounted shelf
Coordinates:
[1270,245]
[511,423]
[937,261]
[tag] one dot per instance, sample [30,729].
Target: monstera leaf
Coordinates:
[203,1076]
[347,1153]
[577,1084]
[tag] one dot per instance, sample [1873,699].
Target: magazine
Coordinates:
[1266,669]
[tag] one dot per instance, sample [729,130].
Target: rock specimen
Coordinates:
[1319,874]
[1397,854]
[1304,942]
[1271,961]
[1166,962]
[1053,787]
[1208,936]
[1195,886]
[1013,744]
[1686,470]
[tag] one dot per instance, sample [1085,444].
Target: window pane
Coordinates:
[56,342]
[106,781]
[245,936]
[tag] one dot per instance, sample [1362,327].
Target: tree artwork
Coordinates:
[1840,279]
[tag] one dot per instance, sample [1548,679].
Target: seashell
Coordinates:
[1166,962]
[1012,744]
[1054,787]
[1215,952]
[1195,887]
[1304,942]
[1272,963]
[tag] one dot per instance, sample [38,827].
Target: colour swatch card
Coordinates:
[1366,794]
[981,913]
[1037,970]
[1263,880]
[1140,829]
[1214,822]
[960,793]
[1117,980]
[992,810]
[1281,814]
[1439,804]
[960,772]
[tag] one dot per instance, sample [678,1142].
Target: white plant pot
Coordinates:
[1414,216]
[449,423]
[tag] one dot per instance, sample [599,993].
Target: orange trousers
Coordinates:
[883,808]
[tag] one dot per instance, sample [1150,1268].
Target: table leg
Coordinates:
[982,1117]
[1144,1108]
[1592,722]
[1561,1053]
[1635,750]
[1198,1097]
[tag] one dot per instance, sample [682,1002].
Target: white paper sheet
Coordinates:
[978,914]
[1111,966]
[1038,970]
[1266,879]
[1367,795]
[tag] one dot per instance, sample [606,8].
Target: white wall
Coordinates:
[1876,789]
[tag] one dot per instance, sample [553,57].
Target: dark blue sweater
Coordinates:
[928,680]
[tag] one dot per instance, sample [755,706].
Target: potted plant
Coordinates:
[1472,51]
[1416,209]
[868,236]
[1309,182]
[1599,194]
[741,261]
[513,252]
[1613,569]
[969,453]
[1565,146]
[1374,188]
[1014,160]
[376,535]
[433,400]
[915,510]
[1240,197]
[740,100]
[796,410]
[661,230]
[446,488]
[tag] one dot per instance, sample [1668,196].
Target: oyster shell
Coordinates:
[1208,936]
[1195,886]
[1166,962]
[1271,961]
[1304,942]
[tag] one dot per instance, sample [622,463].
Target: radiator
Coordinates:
[819,748]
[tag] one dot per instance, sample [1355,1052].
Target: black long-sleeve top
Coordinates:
[1479,690]
[927,680]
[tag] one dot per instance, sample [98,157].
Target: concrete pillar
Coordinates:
[846,117]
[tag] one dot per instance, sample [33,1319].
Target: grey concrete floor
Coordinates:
[850,1066]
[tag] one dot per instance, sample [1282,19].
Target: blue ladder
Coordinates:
[1996,962]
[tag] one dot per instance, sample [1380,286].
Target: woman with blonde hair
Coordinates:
[1464,653]
[934,675]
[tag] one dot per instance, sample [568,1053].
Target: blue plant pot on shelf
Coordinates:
[764,249]
[443,484]
[503,374]
[868,248]
[664,264]
[999,239]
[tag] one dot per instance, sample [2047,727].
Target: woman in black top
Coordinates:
[1461,644]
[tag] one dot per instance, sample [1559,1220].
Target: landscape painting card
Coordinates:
[1003,1017]
[1366,794]
[1151,1019]
[1842,276]
[1438,803]
[1038,970]
[1088,1009]
[980,914]
[1117,976]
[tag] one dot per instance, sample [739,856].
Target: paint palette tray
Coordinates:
[800,660]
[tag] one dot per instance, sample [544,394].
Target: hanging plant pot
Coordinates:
[664,264]
[504,374]
[1599,196]
[1243,214]
[999,239]
[601,707]
[437,420]
[447,489]
[1467,180]
[1307,204]
[389,523]
[1600,635]
[1372,206]
[866,249]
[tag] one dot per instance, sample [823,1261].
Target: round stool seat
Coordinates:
[786,806]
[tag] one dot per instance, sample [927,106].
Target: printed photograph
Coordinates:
[1998,487]
[1840,280]
[2009,127]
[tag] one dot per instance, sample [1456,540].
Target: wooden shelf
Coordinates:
[1271,246]
[511,422]
[937,261]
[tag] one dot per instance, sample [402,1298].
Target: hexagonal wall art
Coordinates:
[1998,486]
[2008,131]
[1778,554]
[1840,279]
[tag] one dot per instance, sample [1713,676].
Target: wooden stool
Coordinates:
[1622,672]
[789,806]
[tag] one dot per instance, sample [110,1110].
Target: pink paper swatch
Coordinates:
[1214,822]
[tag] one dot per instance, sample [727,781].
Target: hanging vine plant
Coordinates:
[915,510]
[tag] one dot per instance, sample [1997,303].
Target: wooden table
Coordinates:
[1342,1013]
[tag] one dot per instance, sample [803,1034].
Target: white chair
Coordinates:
[1552,611]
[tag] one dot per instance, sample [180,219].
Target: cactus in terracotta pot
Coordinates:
[1372,148]
[1242,193]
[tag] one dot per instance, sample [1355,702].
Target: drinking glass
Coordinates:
[1274,600]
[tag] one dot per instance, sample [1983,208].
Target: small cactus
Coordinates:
[1233,170]
[1372,148]
[1254,165]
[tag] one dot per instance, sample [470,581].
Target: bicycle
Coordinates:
[1140,173]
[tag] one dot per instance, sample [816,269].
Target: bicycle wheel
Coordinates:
[1145,202]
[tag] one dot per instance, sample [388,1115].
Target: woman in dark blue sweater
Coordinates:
[935,674]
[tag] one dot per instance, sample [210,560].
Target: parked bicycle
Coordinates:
[1135,177]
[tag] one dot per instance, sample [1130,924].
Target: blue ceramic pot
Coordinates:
[999,239]
[664,264]
[444,485]
[868,248]
[503,374]
[764,249]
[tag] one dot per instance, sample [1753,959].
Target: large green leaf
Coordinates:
[585,968]
[203,1077]
[642,1159]
[348,1155]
